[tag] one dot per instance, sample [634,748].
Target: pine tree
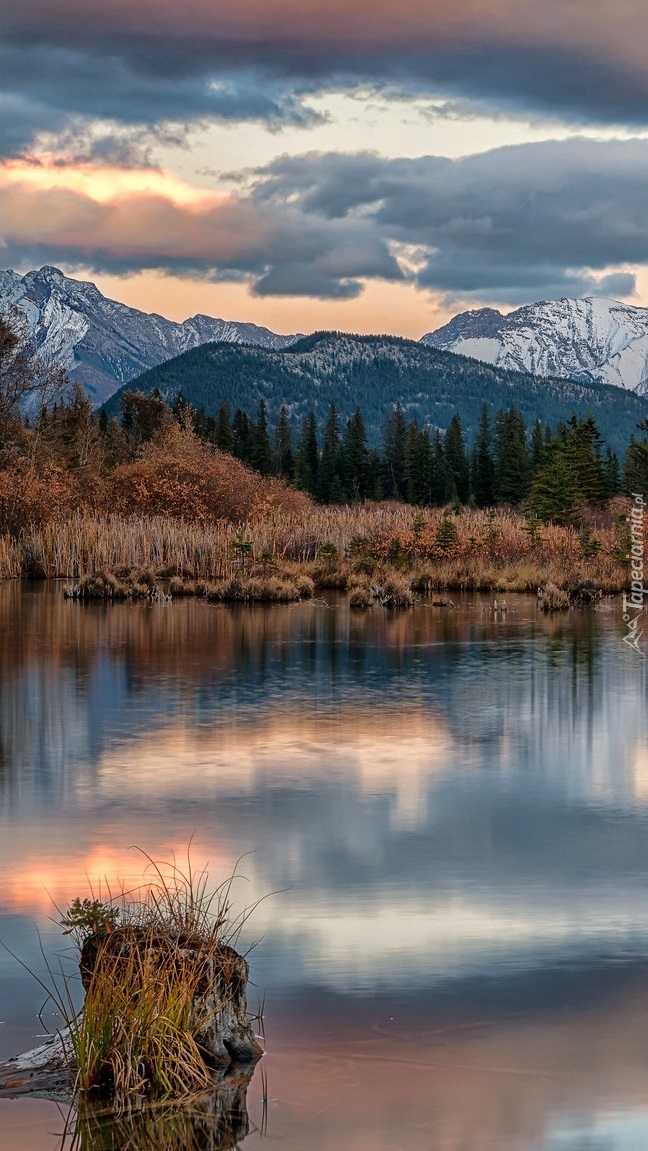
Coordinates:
[456,460]
[419,466]
[241,435]
[394,483]
[483,466]
[374,476]
[355,458]
[260,450]
[329,459]
[224,436]
[441,481]
[307,456]
[584,456]
[512,466]
[537,447]
[284,464]
[635,466]
[183,411]
[553,498]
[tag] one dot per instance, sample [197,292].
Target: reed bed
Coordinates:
[438,549]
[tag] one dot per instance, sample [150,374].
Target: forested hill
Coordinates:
[375,372]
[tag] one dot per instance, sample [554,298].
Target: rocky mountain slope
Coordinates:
[592,339]
[104,344]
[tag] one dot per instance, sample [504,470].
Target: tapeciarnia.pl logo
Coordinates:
[633,601]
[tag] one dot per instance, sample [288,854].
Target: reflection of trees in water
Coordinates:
[213,1122]
[69,673]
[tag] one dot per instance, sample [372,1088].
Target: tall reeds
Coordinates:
[475,549]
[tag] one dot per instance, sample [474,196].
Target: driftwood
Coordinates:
[44,1071]
[224,1033]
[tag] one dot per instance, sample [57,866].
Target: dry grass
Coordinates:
[360,598]
[153,963]
[492,552]
[552,598]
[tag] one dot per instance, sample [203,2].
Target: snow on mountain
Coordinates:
[104,344]
[592,339]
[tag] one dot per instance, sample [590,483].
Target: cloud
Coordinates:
[511,225]
[150,63]
[280,251]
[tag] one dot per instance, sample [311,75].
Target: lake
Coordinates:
[443,814]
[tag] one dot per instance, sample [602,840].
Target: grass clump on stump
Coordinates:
[165,994]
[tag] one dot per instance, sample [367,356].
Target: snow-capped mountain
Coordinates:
[588,340]
[104,344]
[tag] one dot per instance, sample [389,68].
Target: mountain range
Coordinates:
[104,344]
[591,340]
[374,372]
[548,355]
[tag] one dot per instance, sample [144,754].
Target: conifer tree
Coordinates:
[456,460]
[611,473]
[583,453]
[553,497]
[223,436]
[537,447]
[284,464]
[512,466]
[419,466]
[328,464]
[307,456]
[260,450]
[241,435]
[355,457]
[635,467]
[441,481]
[483,466]
[394,483]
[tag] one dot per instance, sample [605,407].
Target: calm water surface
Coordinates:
[451,808]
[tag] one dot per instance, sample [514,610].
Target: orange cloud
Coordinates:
[104,184]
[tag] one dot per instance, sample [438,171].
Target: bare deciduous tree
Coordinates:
[29,382]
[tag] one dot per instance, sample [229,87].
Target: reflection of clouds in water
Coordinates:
[395,754]
[625,1131]
[443,793]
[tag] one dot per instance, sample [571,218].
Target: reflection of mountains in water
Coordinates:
[214,1122]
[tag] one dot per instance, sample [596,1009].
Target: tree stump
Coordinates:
[223,1031]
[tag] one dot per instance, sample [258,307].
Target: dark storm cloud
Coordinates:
[157,61]
[512,224]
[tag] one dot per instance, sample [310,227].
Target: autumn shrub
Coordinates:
[180,587]
[30,498]
[193,481]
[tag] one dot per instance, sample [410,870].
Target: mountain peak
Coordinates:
[590,339]
[47,272]
[104,344]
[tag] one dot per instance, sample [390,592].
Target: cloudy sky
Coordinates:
[368,166]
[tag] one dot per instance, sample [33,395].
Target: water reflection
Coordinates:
[451,808]
[215,1122]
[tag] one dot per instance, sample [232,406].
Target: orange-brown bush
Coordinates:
[176,477]
[188,480]
[32,498]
